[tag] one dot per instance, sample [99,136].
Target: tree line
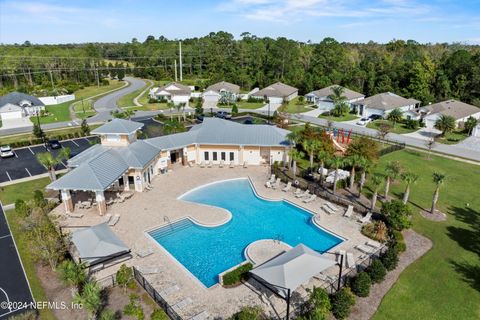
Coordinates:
[427,72]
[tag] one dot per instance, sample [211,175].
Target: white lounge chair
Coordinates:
[200,316]
[222,163]
[327,209]
[323,277]
[182,304]
[350,260]
[272,178]
[75,215]
[169,290]
[365,219]
[190,164]
[302,195]
[268,184]
[148,270]
[142,253]
[232,164]
[331,206]
[363,248]
[114,220]
[349,212]
[288,187]
[210,164]
[245,164]
[202,164]
[312,198]
[107,218]
[276,184]
[373,244]
[297,192]
[340,253]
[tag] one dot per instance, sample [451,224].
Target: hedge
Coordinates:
[390,259]
[342,303]
[235,276]
[361,284]
[400,245]
[377,271]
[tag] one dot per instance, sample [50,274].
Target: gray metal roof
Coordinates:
[224,86]
[386,101]
[118,126]
[277,89]
[17,97]
[97,243]
[453,108]
[327,91]
[292,268]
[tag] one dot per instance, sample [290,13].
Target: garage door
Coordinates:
[430,123]
[369,112]
[11,115]
[275,100]
[211,98]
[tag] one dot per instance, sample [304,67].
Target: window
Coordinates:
[223,156]
[232,156]
[205,155]
[214,156]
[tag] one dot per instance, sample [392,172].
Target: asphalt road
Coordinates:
[25,163]
[13,282]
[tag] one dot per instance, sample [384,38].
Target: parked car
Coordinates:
[363,121]
[6,152]
[223,115]
[54,144]
[200,117]
[374,117]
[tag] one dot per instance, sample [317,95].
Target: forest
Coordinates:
[427,72]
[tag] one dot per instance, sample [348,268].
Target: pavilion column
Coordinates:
[184,156]
[67,200]
[197,154]
[102,206]
[240,156]
[126,185]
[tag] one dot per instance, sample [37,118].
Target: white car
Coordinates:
[363,121]
[6,152]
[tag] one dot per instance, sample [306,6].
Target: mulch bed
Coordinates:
[417,246]
[436,216]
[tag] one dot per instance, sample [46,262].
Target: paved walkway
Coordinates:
[472,143]
[424,134]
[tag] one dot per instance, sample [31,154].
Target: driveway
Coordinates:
[424,134]
[16,123]
[472,143]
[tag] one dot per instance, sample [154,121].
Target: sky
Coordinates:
[50,21]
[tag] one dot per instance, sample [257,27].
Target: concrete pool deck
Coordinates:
[147,211]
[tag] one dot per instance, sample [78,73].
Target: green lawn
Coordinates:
[346,117]
[452,137]
[246,105]
[399,127]
[49,133]
[127,100]
[23,190]
[295,106]
[445,283]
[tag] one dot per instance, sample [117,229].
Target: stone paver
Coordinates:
[263,250]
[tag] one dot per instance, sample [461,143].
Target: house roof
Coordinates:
[386,101]
[327,91]
[224,86]
[175,88]
[16,98]
[453,108]
[118,126]
[277,89]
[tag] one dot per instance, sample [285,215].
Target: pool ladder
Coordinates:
[278,238]
[167,219]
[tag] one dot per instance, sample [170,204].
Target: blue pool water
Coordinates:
[206,252]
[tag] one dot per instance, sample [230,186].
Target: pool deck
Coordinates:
[147,211]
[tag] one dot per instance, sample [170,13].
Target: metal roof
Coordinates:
[118,126]
[453,108]
[17,97]
[277,89]
[327,91]
[386,101]
[223,86]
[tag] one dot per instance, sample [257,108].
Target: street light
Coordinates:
[265,98]
[42,134]
[340,264]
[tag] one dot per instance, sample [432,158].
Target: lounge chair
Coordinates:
[109,202]
[327,209]
[268,184]
[75,215]
[232,164]
[222,163]
[331,206]
[365,219]
[182,304]
[107,218]
[200,316]
[272,178]
[350,260]
[114,220]
[190,164]
[304,194]
[144,252]
[169,290]
[312,198]
[363,248]
[297,192]
[276,184]
[210,164]
[340,253]
[245,164]
[373,244]
[349,212]
[148,270]
[323,277]
[202,164]
[288,187]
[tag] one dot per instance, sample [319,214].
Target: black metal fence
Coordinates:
[156,296]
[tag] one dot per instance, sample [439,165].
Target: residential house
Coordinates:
[476,131]
[173,92]
[321,98]
[277,93]
[17,105]
[460,111]
[220,92]
[383,103]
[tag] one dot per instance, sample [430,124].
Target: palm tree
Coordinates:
[376,182]
[409,178]
[73,274]
[445,124]
[339,100]
[365,166]
[90,298]
[438,179]
[322,157]
[50,162]
[336,162]
[311,146]
[392,171]
[354,161]
[395,116]
[295,155]
[294,137]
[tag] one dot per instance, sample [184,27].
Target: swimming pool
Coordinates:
[206,251]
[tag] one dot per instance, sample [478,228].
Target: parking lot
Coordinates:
[25,163]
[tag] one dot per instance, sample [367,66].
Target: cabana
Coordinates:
[285,273]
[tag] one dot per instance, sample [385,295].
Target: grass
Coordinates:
[22,190]
[452,137]
[127,100]
[399,128]
[346,117]
[295,106]
[246,105]
[28,263]
[445,282]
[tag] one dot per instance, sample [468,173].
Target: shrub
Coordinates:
[39,199]
[390,259]
[21,208]
[342,303]
[124,277]
[107,314]
[235,276]
[159,314]
[377,271]
[248,313]
[133,308]
[361,284]
[411,124]
[400,245]
[319,303]
[234,109]
[398,214]
[376,230]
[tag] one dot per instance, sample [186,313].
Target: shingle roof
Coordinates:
[453,108]
[175,88]
[17,97]
[224,86]
[327,91]
[386,101]
[277,89]
[118,126]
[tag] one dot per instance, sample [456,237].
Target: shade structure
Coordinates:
[98,244]
[291,269]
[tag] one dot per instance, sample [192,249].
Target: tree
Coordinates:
[38,131]
[311,146]
[364,164]
[438,179]
[199,108]
[470,124]
[395,116]
[430,145]
[322,156]
[364,147]
[353,161]
[361,284]
[392,171]
[234,109]
[173,126]
[124,277]
[409,178]
[342,302]
[85,128]
[336,162]
[133,308]
[445,124]
[295,156]
[90,298]
[340,105]
[50,162]
[73,274]
[377,271]
[397,214]
[383,130]
[376,182]
[319,303]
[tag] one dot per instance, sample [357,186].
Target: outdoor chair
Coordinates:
[200,316]
[182,304]
[331,206]
[202,164]
[222,163]
[276,184]
[107,218]
[349,212]
[288,187]
[167,291]
[114,220]
[312,198]
[142,253]
[365,219]
[304,194]
[245,164]
[210,164]
[232,164]
[75,215]
[350,260]
[268,184]
[363,248]
[327,209]
[373,244]
[272,178]
[340,253]
[297,192]
[148,270]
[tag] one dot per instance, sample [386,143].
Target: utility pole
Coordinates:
[180,54]
[51,79]
[175,70]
